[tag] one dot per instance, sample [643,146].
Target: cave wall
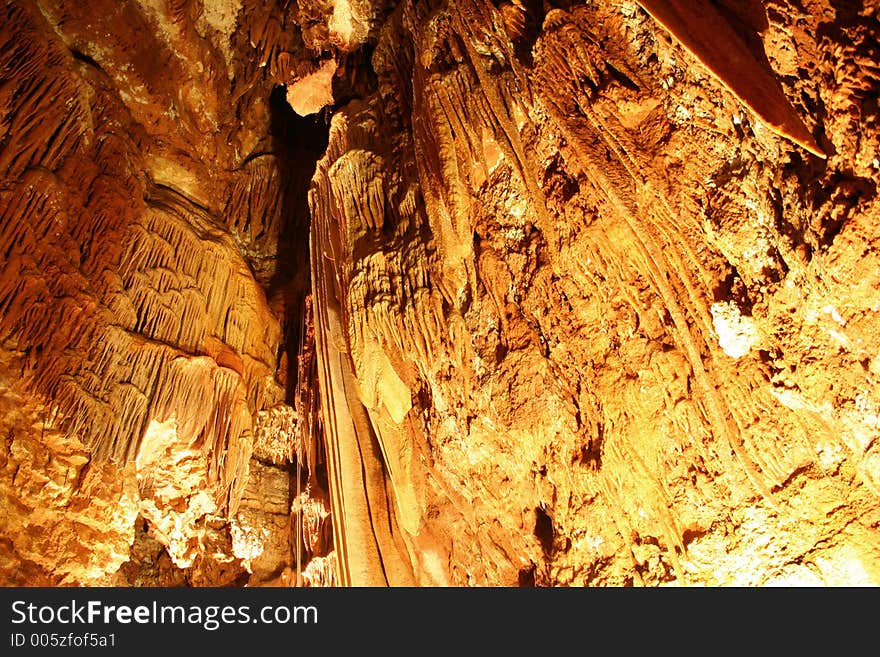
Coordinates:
[560,294]
[144,310]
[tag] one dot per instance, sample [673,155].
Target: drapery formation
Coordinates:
[469,293]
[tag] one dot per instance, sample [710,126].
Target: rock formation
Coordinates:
[472,293]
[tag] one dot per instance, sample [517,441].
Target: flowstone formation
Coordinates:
[468,293]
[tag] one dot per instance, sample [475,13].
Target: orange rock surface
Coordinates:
[483,294]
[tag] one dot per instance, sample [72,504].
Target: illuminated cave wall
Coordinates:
[464,293]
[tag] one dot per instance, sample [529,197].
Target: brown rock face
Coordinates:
[144,308]
[366,293]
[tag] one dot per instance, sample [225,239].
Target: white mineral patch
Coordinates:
[736,332]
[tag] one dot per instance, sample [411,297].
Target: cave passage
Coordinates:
[600,308]
[298,143]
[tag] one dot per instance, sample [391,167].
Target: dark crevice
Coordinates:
[356,78]
[297,143]
[621,78]
[732,288]
[527,576]
[544,531]
[253,156]
[85,59]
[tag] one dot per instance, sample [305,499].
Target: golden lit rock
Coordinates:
[483,294]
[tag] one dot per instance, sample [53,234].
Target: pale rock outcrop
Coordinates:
[505,293]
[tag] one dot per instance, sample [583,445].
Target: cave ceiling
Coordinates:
[419,293]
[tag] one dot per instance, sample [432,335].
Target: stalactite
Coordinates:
[569,294]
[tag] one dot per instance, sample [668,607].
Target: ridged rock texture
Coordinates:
[412,293]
